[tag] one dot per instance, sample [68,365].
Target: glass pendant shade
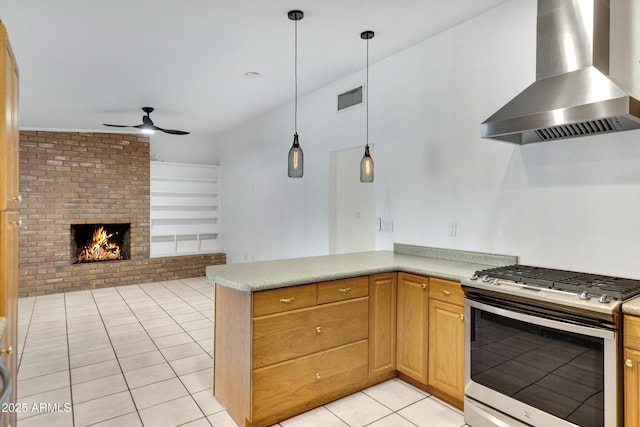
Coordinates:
[296,159]
[366,166]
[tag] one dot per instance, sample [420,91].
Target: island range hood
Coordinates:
[573,95]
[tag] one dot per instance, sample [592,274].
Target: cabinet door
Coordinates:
[446,348]
[631,388]
[412,327]
[9,299]
[382,324]
[9,155]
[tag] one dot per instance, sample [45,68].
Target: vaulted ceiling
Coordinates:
[83,62]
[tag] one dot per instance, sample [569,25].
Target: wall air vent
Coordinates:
[591,127]
[350,98]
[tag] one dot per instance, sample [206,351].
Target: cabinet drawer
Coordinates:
[307,382]
[632,332]
[283,299]
[446,290]
[339,290]
[284,336]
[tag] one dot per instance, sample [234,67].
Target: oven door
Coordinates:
[540,371]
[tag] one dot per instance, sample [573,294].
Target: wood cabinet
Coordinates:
[412,329]
[430,335]
[281,352]
[9,220]
[382,324]
[446,339]
[9,149]
[631,367]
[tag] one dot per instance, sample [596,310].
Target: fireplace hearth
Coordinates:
[100,242]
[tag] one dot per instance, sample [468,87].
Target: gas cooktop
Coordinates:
[586,285]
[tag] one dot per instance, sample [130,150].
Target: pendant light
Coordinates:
[296,157]
[366,164]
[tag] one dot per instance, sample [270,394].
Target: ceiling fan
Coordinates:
[147,125]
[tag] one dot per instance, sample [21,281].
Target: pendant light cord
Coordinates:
[367,93]
[295,72]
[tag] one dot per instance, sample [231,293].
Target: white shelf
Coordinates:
[185,209]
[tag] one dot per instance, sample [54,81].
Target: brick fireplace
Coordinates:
[85,178]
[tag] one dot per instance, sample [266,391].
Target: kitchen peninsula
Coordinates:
[291,335]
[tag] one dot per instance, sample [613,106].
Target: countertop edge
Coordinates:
[632,307]
[264,275]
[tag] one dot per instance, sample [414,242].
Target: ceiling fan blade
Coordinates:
[119,126]
[172,131]
[147,125]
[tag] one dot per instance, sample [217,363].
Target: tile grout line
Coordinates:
[159,350]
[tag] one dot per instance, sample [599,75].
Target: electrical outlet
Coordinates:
[453,228]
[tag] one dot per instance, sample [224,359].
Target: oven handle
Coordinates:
[542,321]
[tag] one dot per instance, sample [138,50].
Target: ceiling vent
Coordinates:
[350,98]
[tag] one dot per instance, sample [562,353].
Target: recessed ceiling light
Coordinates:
[252,75]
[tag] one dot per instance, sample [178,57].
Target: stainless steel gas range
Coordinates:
[542,347]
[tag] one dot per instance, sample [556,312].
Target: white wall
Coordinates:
[568,204]
[195,149]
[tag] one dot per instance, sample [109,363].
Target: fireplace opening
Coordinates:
[100,242]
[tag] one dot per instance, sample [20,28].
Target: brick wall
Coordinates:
[79,178]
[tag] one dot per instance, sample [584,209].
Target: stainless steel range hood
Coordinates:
[573,94]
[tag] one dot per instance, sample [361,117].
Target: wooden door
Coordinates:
[382,324]
[9,150]
[412,327]
[9,301]
[446,348]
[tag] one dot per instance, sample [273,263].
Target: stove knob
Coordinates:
[485,278]
[604,299]
[584,296]
[495,282]
[474,277]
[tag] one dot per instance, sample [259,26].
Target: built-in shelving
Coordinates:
[185,206]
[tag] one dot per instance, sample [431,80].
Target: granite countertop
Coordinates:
[437,262]
[632,306]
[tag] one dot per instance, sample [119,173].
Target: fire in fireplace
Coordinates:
[99,242]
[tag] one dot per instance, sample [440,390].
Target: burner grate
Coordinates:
[595,285]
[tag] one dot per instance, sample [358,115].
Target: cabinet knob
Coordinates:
[17,223]
[424,286]
[17,198]
[317,375]
[345,290]
[461,316]
[287,300]
[7,350]
[629,363]
[319,329]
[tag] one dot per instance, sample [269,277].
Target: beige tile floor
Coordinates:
[142,356]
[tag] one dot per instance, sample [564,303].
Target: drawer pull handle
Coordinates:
[317,375]
[345,290]
[446,292]
[287,300]
[7,350]
[629,363]
[424,286]
[461,316]
[319,329]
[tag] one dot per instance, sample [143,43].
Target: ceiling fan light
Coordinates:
[148,130]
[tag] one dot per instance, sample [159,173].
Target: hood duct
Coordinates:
[573,94]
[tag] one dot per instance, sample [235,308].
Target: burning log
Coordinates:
[100,248]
